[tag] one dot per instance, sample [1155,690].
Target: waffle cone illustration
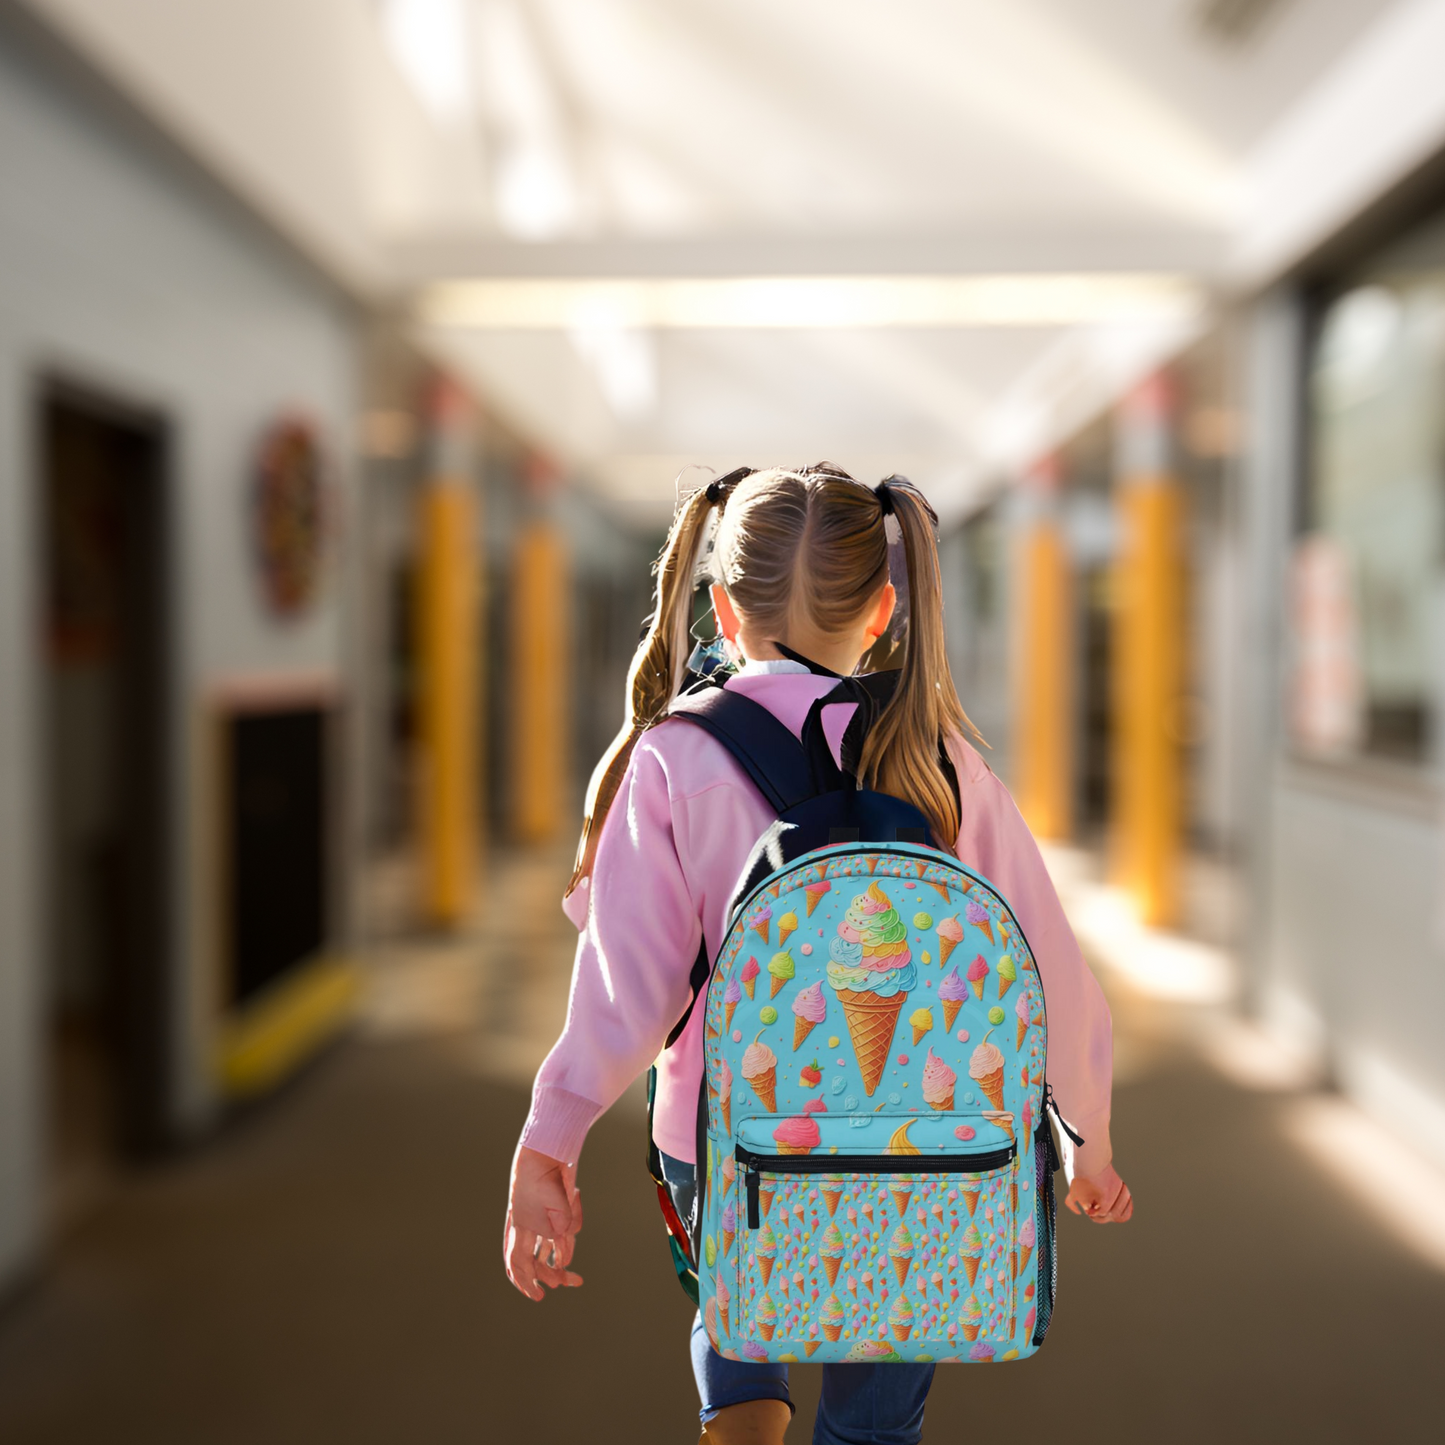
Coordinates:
[951,1007]
[1025,1253]
[814,892]
[810,1347]
[942,890]
[765,1267]
[944,1104]
[1022,1028]
[970,1197]
[1013,1264]
[901,1332]
[750,984]
[766,1331]
[919,1031]
[901,1268]
[760,1069]
[765,1201]
[976,984]
[945,949]
[793,1149]
[831,1198]
[986,1070]
[801,1029]
[970,1268]
[831,1333]
[1013,1196]
[764,926]
[970,1332]
[871,1021]
[728,1236]
[831,1266]
[900,1200]
[786,928]
[776,985]
[727,1111]
[723,1311]
[728,1011]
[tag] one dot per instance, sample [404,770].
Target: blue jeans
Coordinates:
[861,1404]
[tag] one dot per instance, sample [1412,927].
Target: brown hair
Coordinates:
[810,547]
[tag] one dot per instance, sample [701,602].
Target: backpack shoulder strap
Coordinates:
[764,748]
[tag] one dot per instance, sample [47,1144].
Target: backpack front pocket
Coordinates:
[909,1253]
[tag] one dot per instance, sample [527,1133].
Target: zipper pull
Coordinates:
[754,1209]
[1052,1103]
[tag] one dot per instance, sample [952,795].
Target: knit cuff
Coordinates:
[558,1123]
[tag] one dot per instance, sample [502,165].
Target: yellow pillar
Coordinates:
[1042,710]
[537,685]
[448,643]
[1148,802]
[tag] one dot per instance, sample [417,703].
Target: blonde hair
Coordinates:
[796,547]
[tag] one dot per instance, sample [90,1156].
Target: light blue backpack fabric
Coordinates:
[879,1172]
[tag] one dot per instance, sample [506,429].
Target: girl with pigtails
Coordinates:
[801,593]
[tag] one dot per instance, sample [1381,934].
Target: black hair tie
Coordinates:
[884,493]
[714,492]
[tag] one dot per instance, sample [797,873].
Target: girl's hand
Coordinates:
[544,1214]
[1104,1198]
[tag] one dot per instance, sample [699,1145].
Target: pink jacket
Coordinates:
[670,854]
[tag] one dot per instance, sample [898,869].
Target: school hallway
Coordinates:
[330,1269]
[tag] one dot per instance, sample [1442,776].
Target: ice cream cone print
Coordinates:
[871,1021]
[765,1198]
[787,926]
[978,916]
[815,892]
[776,985]
[765,1268]
[977,975]
[951,1007]
[1022,1026]
[985,1068]
[760,1069]
[970,1268]
[950,935]
[831,1267]
[750,972]
[1025,1253]
[728,1236]
[901,1268]
[727,1113]
[900,1199]
[831,1195]
[801,1029]
[970,1196]
[763,924]
[810,1347]
[941,889]
[1013,1197]
[728,1011]
[1007,972]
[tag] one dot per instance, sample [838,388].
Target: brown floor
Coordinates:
[328,1270]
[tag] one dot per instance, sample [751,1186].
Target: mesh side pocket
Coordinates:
[1045,1162]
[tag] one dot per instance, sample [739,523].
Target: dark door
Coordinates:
[106,808]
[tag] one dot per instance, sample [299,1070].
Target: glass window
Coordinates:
[1368,564]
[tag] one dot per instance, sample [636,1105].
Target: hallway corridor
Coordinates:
[329,1270]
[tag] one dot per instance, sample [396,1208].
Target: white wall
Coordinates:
[124,270]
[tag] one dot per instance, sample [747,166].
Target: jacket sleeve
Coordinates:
[995,841]
[630,976]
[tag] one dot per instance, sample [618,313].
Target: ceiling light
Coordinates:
[810,302]
[428,41]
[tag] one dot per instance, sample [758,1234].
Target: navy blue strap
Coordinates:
[764,748]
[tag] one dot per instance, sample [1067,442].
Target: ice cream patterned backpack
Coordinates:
[875,1175]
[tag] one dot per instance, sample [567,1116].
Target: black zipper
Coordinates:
[755,1165]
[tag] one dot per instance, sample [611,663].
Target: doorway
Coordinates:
[106,803]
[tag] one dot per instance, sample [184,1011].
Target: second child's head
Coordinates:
[801,559]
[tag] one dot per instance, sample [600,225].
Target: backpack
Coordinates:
[875,1170]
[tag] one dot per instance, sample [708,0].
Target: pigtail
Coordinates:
[901,752]
[657,666]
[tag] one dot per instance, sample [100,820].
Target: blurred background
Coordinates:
[352,356]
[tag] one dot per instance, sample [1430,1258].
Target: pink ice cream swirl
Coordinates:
[938,1080]
[800,1132]
[809,1004]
